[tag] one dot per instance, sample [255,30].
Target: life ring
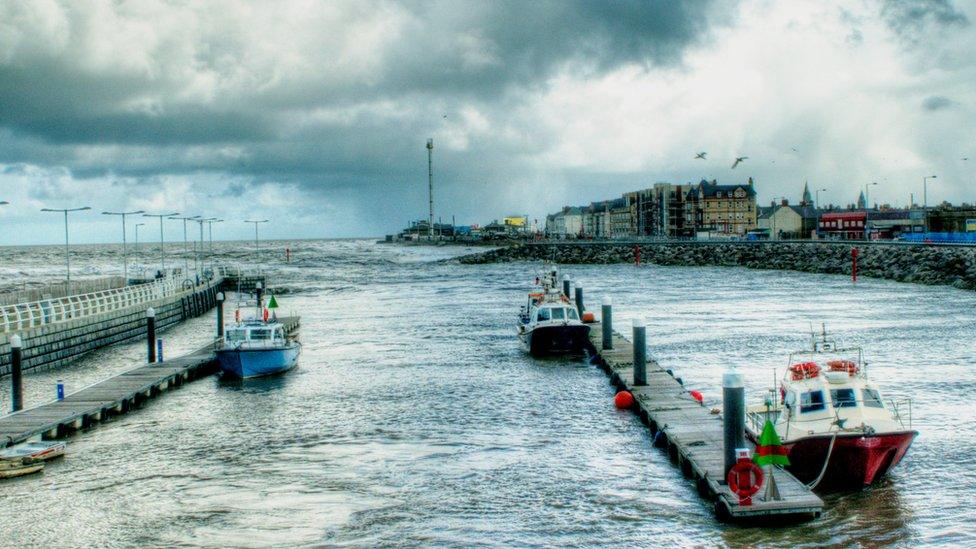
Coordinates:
[804,370]
[843,366]
[745,478]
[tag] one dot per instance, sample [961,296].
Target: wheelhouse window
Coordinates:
[812,401]
[543,315]
[260,334]
[843,398]
[558,314]
[571,314]
[236,335]
[872,398]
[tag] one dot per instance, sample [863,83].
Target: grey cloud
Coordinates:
[937,103]
[908,17]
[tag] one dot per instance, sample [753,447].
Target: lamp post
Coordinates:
[67,252]
[162,249]
[256,223]
[867,202]
[137,233]
[186,246]
[199,255]
[772,218]
[925,190]
[125,260]
[210,223]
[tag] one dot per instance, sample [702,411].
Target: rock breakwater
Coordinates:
[937,265]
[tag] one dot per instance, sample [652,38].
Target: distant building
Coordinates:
[843,225]
[948,219]
[567,223]
[785,221]
[723,209]
[518,222]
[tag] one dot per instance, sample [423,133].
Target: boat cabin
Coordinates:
[556,312]
[255,334]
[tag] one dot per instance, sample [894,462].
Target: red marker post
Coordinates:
[637,251]
[854,253]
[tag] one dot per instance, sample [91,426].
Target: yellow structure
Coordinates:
[519,221]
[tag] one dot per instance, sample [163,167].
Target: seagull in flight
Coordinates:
[701,155]
[965,158]
[738,160]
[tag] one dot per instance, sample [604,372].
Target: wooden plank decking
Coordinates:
[693,438]
[112,396]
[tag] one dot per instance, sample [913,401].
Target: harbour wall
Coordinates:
[54,345]
[924,264]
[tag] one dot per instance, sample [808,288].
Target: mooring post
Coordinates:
[16,373]
[60,389]
[220,315]
[854,253]
[257,289]
[640,352]
[579,300]
[733,416]
[566,286]
[151,334]
[607,321]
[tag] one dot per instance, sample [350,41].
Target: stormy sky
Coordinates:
[315,114]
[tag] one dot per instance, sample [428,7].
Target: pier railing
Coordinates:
[24,316]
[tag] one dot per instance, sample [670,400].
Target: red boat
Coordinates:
[840,434]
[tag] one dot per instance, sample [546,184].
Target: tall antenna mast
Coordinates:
[430,187]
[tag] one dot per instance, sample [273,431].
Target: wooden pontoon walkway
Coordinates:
[693,438]
[113,396]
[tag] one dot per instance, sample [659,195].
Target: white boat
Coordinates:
[838,431]
[256,348]
[549,323]
[18,467]
[41,450]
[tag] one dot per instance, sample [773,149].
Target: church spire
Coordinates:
[807,199]
[861,202]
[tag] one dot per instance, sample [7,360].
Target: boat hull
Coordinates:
[250,363]
[856,460]
[19,468]
[42,451]
[552,340]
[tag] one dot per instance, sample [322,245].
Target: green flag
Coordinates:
[770,450]
[273,304]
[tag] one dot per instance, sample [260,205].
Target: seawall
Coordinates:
[938,265]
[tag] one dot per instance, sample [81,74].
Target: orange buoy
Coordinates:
[589,317]
[623,400]
[697,396]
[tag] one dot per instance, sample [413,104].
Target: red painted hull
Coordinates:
[855,461]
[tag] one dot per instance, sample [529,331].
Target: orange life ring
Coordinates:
[745,478]
[804,370]
[843,366]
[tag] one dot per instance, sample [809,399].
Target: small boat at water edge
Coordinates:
[18,467]
[838,431]
[42,450]
[256,348]
[549,324]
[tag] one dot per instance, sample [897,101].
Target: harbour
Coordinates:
[449,427]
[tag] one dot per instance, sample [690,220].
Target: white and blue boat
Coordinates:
[256,348]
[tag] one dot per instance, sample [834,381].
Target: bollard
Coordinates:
[733,416]
[607,321]
[151,334]
[60,389]
[16,373]
[159,350]
[640,352]
[258,290]
[854,253]
[566,285]
[220,315]
[579,300]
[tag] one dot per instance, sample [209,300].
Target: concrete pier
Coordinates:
[113,396]
[693,438]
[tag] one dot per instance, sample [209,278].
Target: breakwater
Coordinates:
[937,265]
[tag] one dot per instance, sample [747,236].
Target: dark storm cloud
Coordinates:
[937,103]
[447,54]
[908,17]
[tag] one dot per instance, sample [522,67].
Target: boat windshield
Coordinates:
[558,313]
[260,334]
[812,401]
[571,313]
[872,398]
[543,314]
[843,398]
[236,335]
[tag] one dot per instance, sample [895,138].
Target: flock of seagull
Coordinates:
[739,159]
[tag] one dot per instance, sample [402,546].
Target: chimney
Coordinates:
[785,202]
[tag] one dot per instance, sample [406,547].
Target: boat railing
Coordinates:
[902,410]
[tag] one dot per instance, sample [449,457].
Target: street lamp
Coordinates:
[772,217]
[186,246]
[817,205]
[137,233]
[256,223]
[867,203]
[125,262]
[210,223]
[67,253]
[162,249]
[925,190]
